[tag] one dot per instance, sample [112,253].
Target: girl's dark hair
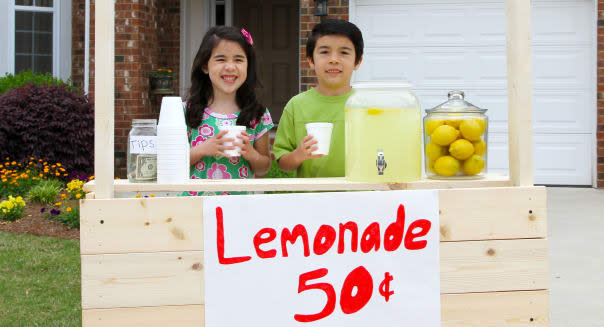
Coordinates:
[201,91]
[336,27]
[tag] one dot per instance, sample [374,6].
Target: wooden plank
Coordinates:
[499,309]
[301,184]
[141,225]
[142,279]
[176,278]
[104,15]
[486,266]
[175,224]
[181,316]
[520,112]
[495,213]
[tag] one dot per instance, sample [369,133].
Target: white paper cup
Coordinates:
[232,133]
[171,113]
[322,133]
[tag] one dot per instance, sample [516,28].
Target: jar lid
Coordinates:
[144,122]
[456,103]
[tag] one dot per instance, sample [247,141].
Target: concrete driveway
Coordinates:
[576,256]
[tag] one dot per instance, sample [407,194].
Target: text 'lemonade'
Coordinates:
[394,131]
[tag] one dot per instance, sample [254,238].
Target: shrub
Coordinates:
[12,209]
[45,192]
[70,217]
[48,122]
[275,172]
[10,81]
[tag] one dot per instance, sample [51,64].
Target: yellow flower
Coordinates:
[58,164]
[40,174]
[58,204]
[68,209]
[79,195]
[152,195]
[4,180]
[13,163]
[63,195]
[91,178]
[138,195]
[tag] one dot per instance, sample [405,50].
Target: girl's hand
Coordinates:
[306,147]
[214,146]
[247,150]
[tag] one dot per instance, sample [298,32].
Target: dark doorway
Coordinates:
[274,25]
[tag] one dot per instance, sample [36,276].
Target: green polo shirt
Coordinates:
[313,107]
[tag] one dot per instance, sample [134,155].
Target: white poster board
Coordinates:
[256,276]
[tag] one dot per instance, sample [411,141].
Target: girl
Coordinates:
[223,82]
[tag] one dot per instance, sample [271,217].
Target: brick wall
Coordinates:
[600,130]
[335,9]
[147,36]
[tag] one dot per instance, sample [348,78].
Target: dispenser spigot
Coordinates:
[380,163]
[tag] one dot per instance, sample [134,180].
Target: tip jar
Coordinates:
[455,139]
[142,151]
[383,133]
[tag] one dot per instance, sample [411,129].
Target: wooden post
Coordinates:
[520,113]
[104,15]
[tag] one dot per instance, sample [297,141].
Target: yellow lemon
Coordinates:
[446,166]
[434,151]
[480,147]
[471,129]
[473,165]
[432,124]
[453,122]
[444,135]
[461,149]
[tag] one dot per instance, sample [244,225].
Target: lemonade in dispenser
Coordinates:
[455,139]
[383,133]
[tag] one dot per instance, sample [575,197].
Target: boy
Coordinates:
[334,50]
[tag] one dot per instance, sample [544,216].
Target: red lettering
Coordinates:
[325,232]
[259,240]
[424,225]
[394,233]
[354,230]
[371,238]
[299,231]
[325,287]
[361,279]
[220,242]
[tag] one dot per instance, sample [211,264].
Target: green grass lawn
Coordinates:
[39,281]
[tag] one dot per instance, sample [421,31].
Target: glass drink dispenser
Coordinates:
[383,133]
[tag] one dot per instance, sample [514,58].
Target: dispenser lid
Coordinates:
[456,103]
[381,84]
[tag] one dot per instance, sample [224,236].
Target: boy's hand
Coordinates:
[214,146]
[247,150]
[305,149]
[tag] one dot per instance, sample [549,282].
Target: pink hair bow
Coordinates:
[247,36]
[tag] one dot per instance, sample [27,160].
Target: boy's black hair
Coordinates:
[336,27]
[201,91]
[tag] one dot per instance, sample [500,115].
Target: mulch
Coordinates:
[35,223]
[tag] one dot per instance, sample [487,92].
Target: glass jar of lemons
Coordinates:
[455,139]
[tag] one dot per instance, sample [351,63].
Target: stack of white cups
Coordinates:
[172,143]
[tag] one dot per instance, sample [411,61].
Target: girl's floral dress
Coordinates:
[221,167]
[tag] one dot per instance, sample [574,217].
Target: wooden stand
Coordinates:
[142,259]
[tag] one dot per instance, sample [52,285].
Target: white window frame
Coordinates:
[61,36]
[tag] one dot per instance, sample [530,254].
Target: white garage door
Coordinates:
[443,45]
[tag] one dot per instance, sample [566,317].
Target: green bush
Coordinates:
[70,218]
[10,81]
[275,172]
[45,192]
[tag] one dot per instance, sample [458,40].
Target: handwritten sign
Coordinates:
[322,259]
[143,144]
